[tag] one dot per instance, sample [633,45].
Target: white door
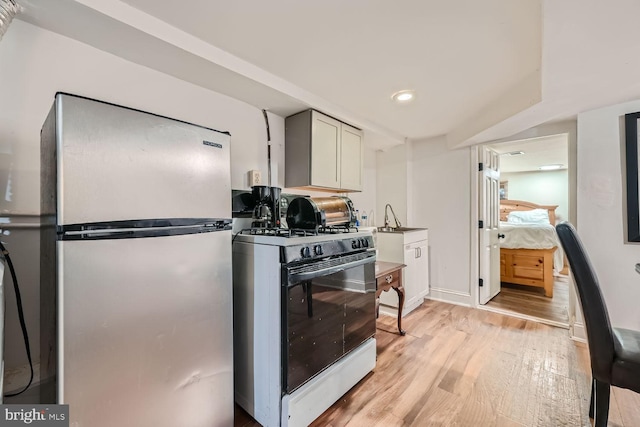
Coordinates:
[489,221]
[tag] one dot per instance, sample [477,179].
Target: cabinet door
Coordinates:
[416,274]
[351,158]
[325,151]
[410,275]
[422,268]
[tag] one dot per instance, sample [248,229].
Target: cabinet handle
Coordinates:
[418,253]
[389,278]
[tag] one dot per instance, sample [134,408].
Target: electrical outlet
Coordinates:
[255,178]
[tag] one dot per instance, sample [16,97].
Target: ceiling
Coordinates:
[481,70]
[548,150]
[359,52]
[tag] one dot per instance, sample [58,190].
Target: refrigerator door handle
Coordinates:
[141,228]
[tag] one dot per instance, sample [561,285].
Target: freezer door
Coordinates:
[114,163]
[146,331]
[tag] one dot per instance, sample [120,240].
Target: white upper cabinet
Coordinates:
[325,151]
[351,152]
[322,152]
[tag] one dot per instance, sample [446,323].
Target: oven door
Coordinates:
[328,310]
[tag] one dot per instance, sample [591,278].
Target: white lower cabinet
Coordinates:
[412,249]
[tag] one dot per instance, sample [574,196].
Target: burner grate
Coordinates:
[297,232]
[337,229]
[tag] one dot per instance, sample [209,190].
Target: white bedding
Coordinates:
[532,236]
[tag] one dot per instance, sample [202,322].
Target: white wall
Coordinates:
[440,192]
[543,188]
[601,210]
[34,65]
[428,186]
[366,200]
[392,184]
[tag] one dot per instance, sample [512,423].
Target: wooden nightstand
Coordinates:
[389,276]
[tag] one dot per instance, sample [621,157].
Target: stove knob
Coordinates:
[305,252]
[365,243]
[317,250]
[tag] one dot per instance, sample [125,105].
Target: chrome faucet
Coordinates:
[386,217]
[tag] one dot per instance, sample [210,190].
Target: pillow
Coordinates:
[535,216]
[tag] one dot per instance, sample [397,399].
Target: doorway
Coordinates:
[534,171]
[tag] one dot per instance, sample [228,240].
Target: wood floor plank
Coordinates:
[477,409]
[518,404]
[439,409]
[427,372]
[628,405]
[582,366]
[502,421]
[494,379]
[377,418]
[615,417]
[531,301]
[557,403]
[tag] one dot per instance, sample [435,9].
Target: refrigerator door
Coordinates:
[114,163]
[146,331]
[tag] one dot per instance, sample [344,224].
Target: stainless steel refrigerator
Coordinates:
[136,294]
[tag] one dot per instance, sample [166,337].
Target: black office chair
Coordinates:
[614,352]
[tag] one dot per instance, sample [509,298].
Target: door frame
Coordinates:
[569,127]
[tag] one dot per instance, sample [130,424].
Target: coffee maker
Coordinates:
[266,213]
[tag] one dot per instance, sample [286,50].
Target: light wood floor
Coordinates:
[531,301]
[459,366]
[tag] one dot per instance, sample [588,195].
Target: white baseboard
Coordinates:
[578,332]
[449,296]
[408,308]
[389,311]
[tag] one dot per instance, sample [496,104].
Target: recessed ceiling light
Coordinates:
[513,153]
[403,96]
[550,167]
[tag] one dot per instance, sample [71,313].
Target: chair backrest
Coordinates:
[594,309]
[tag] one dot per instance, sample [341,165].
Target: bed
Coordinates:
[529,250]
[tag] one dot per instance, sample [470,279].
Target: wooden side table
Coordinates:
[389,276]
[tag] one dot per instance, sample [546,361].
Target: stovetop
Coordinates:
[291,237]
[297,232]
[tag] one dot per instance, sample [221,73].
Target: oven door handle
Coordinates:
[308,275]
